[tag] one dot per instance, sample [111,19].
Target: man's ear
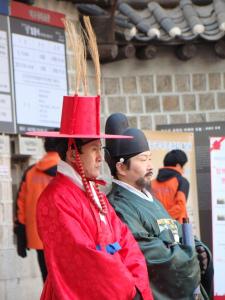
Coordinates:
[121,169]
[180,169]
[71,155]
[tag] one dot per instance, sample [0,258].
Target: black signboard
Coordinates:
[39,64]
[202,133]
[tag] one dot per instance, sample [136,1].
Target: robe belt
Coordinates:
[110,248]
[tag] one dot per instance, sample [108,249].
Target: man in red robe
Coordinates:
[90,253]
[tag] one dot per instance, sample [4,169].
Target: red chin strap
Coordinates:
[79,168]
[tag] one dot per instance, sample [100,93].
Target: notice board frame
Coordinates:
[202,133]
[37,24]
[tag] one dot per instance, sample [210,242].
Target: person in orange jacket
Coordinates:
[35,179]
[170,187]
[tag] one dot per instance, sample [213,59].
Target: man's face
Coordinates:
[139,172]
[91,158]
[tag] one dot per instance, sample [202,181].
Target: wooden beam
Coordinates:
[127,51]
[102,3]
[220,49]
[146,52]
[107,53]
[104,29]
[186,51]
[140,4]
[202,2]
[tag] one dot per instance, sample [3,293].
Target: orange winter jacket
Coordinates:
[34,181]
[171,189]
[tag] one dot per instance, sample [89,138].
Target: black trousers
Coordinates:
[42,265]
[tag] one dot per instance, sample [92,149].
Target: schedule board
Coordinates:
[39,64]
[7,121]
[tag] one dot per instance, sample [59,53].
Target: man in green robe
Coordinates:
[175,270]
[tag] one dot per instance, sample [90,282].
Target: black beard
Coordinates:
[143,183]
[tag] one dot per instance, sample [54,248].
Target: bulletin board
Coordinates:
[39,66]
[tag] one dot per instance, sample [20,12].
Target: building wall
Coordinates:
[165,90]
[159,91]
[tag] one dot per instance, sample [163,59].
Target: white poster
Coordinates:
[4,63]
[40,80]
[217,157]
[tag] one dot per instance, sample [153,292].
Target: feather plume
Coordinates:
[93,49]
[77,44]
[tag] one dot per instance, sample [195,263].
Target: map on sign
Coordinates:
[39,63]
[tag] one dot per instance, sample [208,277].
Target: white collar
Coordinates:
[145,194]
[67,170]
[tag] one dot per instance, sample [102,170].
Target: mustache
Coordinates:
[150,173]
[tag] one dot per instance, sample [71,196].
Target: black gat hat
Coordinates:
[120,150]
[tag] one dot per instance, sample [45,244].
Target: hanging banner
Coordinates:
[217,159]
[39,63]
[162,142]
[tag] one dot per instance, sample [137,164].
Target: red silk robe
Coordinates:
[71,229]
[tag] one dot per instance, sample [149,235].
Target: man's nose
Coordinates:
[99,157]
[149,166]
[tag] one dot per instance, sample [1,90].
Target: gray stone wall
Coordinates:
[166,90]
[159,91]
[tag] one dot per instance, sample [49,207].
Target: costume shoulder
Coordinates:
[156,233]
[125,207]
[70,236]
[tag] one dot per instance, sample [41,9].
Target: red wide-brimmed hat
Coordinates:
[80,119]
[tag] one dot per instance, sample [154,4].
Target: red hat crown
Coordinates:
[80,119]
[80,115]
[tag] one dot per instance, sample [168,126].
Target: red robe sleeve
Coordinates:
[76,269]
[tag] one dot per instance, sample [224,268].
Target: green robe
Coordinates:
[173,268]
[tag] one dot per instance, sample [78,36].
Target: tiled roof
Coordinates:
[155,24]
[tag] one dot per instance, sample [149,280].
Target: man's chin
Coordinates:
[143,183]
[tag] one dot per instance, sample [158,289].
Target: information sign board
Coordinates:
[39,63]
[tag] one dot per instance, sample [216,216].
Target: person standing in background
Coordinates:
[35,179]
[170,187]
